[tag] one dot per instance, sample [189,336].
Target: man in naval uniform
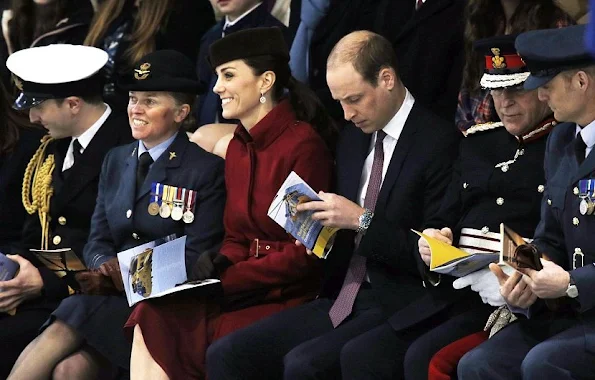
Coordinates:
[557,340]
[61,89]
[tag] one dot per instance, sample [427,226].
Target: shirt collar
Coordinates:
[232,23]
[158,149]
[395,126]
[85,138]
[587,133]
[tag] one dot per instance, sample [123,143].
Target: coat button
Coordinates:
[135,236]
[485,229]
[540,188]
[575,221]
[500,201]
[267,247]
[465,185]
[549,202]
[62,221]
[575,191]
[504,168]
[128,214]
[57,240]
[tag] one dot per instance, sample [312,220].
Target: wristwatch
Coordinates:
[572,290]
[364,221]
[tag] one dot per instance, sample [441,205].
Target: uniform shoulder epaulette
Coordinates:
[483,127]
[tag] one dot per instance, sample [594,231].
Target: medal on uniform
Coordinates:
[178,211]
[165,209]
[154,205]
[190,200]
[586,206]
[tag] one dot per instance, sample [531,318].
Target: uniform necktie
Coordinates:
[419,4]
[144,162]
[76,149]
[356,272]
[579,148]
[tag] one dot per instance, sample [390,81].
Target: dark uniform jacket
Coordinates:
[489,187]
[74,199]
[121,219]
[563,230]
[418,174]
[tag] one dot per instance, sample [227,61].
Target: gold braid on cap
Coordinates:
[37,187]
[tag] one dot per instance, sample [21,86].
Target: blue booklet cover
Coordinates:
[8,268]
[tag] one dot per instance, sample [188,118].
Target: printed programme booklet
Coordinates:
[63,262]
[156,269]
[283,210]
[453,261]
[8,271]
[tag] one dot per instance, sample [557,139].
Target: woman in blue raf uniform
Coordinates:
[87,329]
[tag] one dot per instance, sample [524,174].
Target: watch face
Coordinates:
[572,291]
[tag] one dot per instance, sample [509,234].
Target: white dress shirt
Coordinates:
[232,23]
[393,130]
[85,138]
[588,135]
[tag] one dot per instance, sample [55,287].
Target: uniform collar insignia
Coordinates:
[172,155]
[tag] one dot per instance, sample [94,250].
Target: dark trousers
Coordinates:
[16,332]
[299,343]
[421,351]
[532,350]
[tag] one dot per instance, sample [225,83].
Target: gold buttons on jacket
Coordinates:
[504,168]
[500,201]
[57,240]
[575,191]
[128,214]
[540,188]
[549,202]
[62,221]
[465,185]
[135,236]
[575,221]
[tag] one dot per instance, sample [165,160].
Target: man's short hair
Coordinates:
[367,51]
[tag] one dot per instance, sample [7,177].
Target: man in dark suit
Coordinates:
[82,129]
[428,38]
[387,184]
[238,15]
[534,346]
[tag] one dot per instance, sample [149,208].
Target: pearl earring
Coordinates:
[262,98]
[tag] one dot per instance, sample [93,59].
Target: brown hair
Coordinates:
[149,19]
[485,18]
[30,21]
[369,53]
[304,102]
[10,123]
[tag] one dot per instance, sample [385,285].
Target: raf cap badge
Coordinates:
[498,61]
[143,72]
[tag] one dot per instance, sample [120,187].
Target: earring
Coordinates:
[262,98]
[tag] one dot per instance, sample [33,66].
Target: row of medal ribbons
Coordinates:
[172,202]
[587,194]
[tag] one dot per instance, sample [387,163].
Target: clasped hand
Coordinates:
[106,280]
[444,235]
[26,285]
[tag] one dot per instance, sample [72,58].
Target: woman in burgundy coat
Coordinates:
[283,128]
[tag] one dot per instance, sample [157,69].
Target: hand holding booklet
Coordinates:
[63,262]
[450,260]
[156,269]
[283,210]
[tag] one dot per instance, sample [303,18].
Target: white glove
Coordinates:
[485,283]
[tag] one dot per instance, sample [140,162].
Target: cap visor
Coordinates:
[534,82]
[24,102]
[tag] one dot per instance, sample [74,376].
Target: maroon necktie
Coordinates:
[357,266]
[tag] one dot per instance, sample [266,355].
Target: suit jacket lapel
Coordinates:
[171,158]
[354,161]
[401,150]
[428,9]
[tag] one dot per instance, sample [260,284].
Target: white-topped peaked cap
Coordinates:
[55,71]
